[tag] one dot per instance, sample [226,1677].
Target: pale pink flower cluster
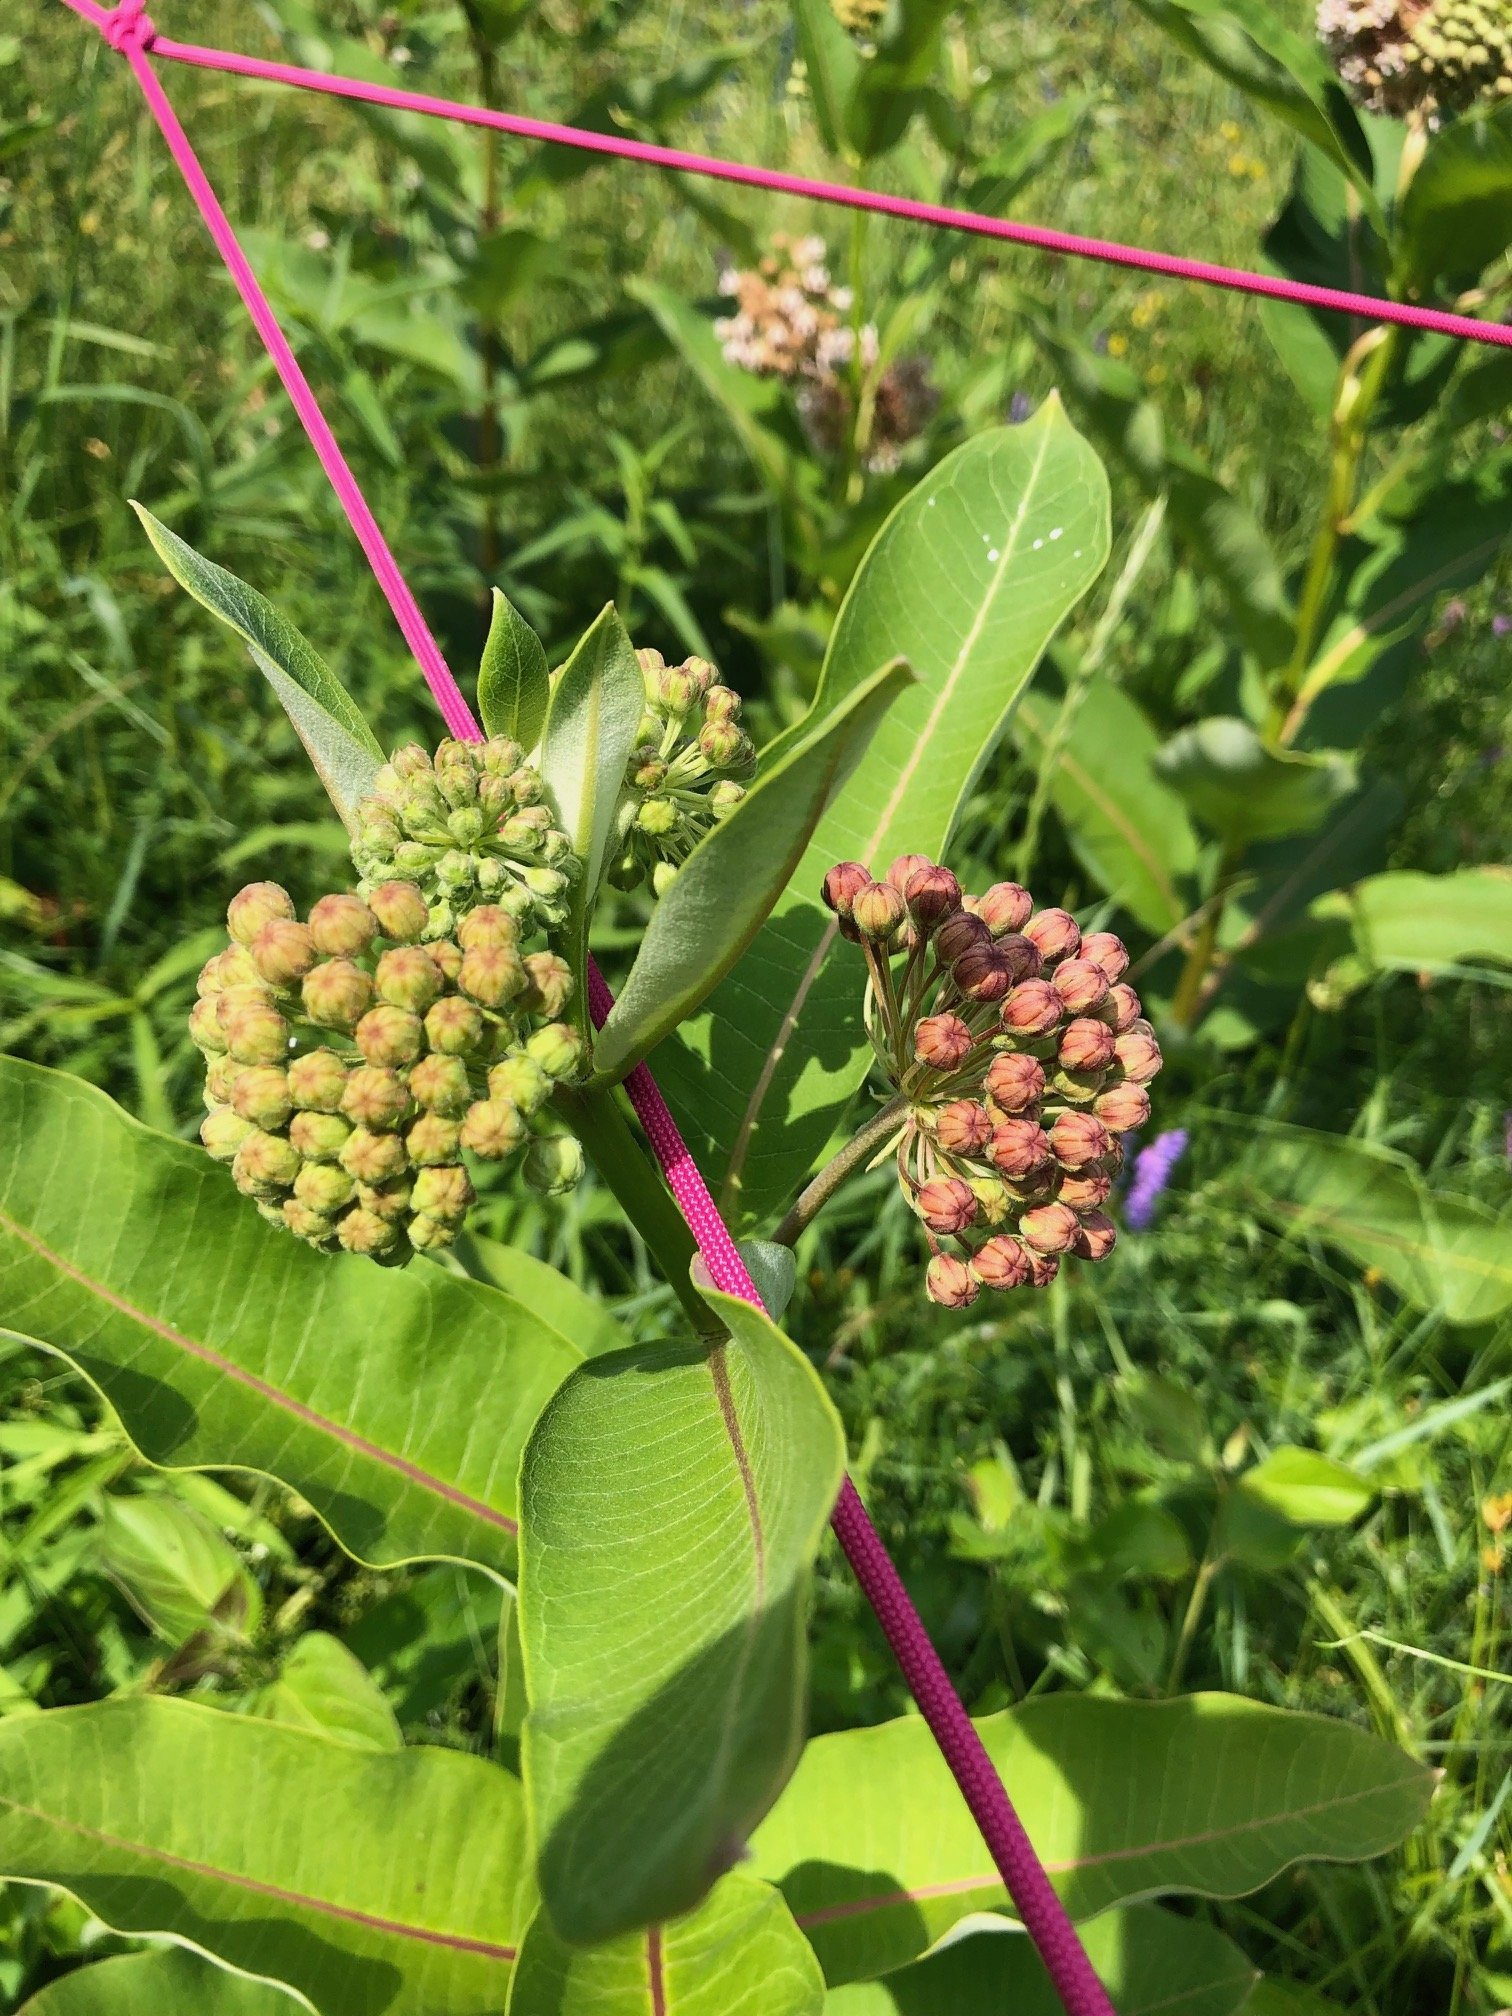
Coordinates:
[789,319]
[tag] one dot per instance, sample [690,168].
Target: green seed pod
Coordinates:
[337,994]
[258,904]
[426,1234]
[554,1164]
[317,1081]
[364,1232]
[282,951]
[374,1158]
[223,1132]
[408,979]
[324,1187]
[454,1027]
[400,910]
[433,1140]
[265,1164]
[520,1081]
[441,1084]
[393,1037]
[319,1137]
[343,927]
[314,1227]
[255,1032]
[385,1200]
[491,975]
[261,1095]
[205,1025]
[443,1193]
[375,1097]
[493,1129]
[558,1049]
[548,983]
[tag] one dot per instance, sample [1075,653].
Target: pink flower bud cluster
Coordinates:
[351,1060]
[688,770]
[1023,1057]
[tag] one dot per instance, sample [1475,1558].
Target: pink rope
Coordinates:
[1063,244]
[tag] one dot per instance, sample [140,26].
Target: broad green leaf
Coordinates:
[1151,1963]
[1456,216]
[170,1982]
[894,81]
[1412,923]
[1243,791]
[322,1687]
[1308,1489]
[427,1641]
[725,890]
[597,700]
[178,1571]
[739,1954]
[1437,1250]
[833,66]
[337,739]
[1129,829]
[1208,1794]
[674,1496]
[513,683]
[967,581]
[396,1403]
[333,1869]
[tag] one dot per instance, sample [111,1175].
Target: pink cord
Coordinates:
[1062,243]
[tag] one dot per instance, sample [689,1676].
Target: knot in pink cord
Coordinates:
[129,26]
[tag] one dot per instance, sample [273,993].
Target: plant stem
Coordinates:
[600,1124]
[856,1152]
[1189,999]
[488,329]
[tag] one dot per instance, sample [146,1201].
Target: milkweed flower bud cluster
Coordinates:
[1401,56]
[466,826]
[1022,1056]
[689,769]
[351,1059]
[860,18]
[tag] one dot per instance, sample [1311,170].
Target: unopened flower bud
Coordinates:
[1138,1053]
[842,885]
[963,1127]
[406,979]
[255,1032]
[1055,933]
[261,1095]
[1107,950]
[1086,1044]
[375,1097]
[454,1027]
[466,826]
[265,1164]
[258,904]
[428,1235]
[721,703]
[1017,1148]
[901,871]
[1049,1228]
[1080,1088]
[319,1137]
[390,1036]
[1119,1009]
[982,973]
[877,910]
[446,957]
[663,875]
[548,983]
[1004,908]
[440,1084]
[1001,1263]
[205,1025]
[957,934]
[433,1140]
[324,1187]
[282,951]
[554,1164]
[949,1282]
[488,926]
[723,745]
[520,1081]
[725,796]
[316,1228]
[1085,1189]
[1014,1082]
[374,1158]
[943,1042]
[443,1193]
[500,756]
[1080,984]
[220,1079]
[493,1129]
[317,1081]
[1077,1139]
[1043,1268]
[343,927]
[337,994]
[993,1200]
[491,975]
[1096,1237]
[1123,1107]
[945,1204]
[386,1200]
[932,893]
[365,1232]
[675,692]
[223,1132]
[558,1049]
[1032,1009]
[400,911]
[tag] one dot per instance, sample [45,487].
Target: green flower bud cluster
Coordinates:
[691,763]
[1404,56]
[466,826]
[1022,1057]
[860,18]
[351,1059]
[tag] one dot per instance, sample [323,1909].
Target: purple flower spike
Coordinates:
[1153,1168]
[1501,625]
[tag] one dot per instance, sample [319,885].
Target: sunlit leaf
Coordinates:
[513,684]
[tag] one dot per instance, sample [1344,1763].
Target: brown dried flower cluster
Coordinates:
[1023,1057]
